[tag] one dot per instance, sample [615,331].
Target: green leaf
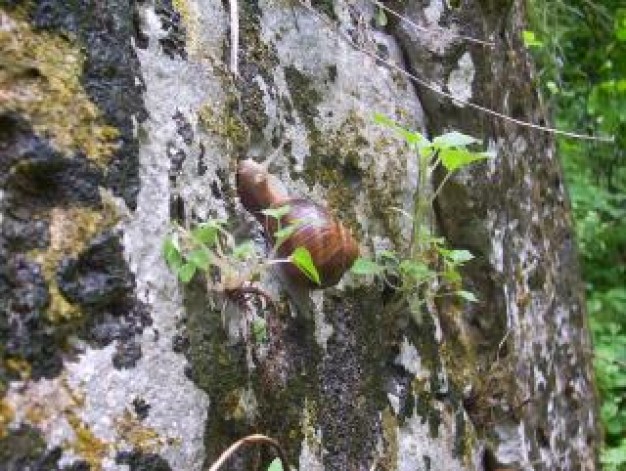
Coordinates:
[383,120]
[275,465]
[285,232]
[411,137]
[453,139]
[277,213]
[201,258]
[381,18]
[453,159]
[530,39]
[259,330]
[452,276]
[389,256]
[171,254]
[244,250]
[364,266]
[206,233]
[301,258]
[467,296]
[186,272]
[552,86]
[416,272]
[456,257]
[620,26]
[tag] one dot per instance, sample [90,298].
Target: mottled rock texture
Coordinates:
[121,117]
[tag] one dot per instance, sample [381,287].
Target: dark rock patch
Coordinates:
[111,76]
[141,461]
[173,42]
[24,449]
[99,276]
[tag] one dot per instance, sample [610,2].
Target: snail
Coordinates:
[330,243]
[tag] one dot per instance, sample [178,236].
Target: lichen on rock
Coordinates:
[40,78]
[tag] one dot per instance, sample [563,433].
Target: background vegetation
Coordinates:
[581,50]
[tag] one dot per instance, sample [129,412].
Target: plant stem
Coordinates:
[421,207]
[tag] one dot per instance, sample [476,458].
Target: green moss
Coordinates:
[304,96]
[273,399]
[465,440]
[138,435]
[218,367]
[337,163]
[225,124]
[334,164]
[86,444]
[23,445]
[40,77]
[6,417]
[423,404]
[389,425]
[254,50]
[258,59]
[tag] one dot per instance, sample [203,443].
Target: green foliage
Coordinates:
[582,58]
[381,18]
[301,258]
[259,330]
[530,39]
[427,262]
[209,246]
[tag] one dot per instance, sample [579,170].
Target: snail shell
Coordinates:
[331,245]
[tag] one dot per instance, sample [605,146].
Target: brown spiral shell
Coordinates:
[331,245]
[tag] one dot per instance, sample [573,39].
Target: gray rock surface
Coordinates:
[123,118]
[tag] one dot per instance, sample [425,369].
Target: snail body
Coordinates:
[330,243]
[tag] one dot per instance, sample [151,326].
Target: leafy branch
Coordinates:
[209,247]
[426,261]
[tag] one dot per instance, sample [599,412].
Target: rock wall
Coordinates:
[120,117]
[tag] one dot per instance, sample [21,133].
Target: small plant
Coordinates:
[210,246]
[426,262]
[232,268]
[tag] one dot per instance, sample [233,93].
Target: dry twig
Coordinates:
[256,439]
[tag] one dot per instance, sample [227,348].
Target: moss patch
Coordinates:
[390,435]
[139,436]
[217,367]
[86,444]
[353,379]
[304,96]
[226,124]
[40,77]
[337,163]
[25,448]
[6,417]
